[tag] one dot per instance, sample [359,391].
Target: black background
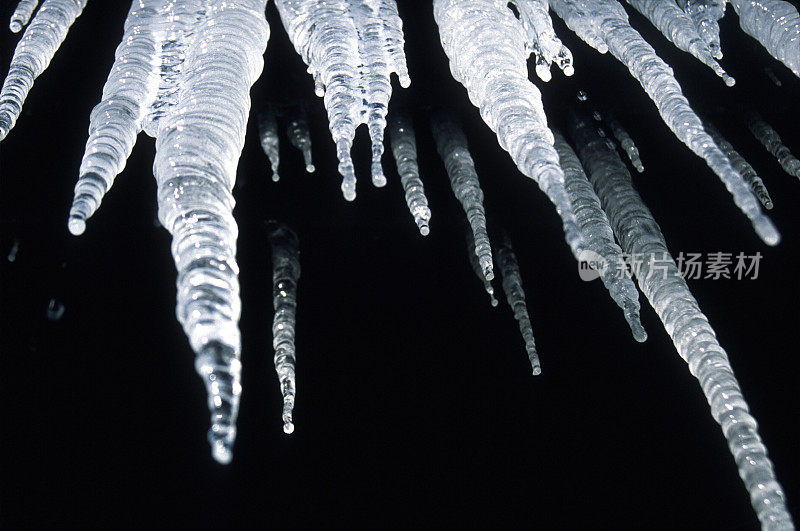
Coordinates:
[415,401]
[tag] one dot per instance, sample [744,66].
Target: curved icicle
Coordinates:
[32,55]
[404,149]
[452,147]
[610,22]
[268,137]
[772,141]
[515,296]
[542,40]
[285,274]
[475,262]
[695,340]
[676,25]
[299,135]
[742,166]
[706,15]
[490,60]
[625,141]
[599,237]
[22,14]
[776,25]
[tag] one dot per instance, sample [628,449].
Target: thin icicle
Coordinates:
[599,237]
[285,274]
[625,141]
[33,54]
[609,21]
[772,77]
[475,262]
[515,296]
[772,141]
[268,136]
[299,135]
[404,149]
[22,14]
[676,25]
[452,147]
[490,60]
[776,25]
[542,40]
[706,15]
[660,280]
[742,166]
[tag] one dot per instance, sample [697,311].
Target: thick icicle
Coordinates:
[475,262]
[676,25]
[33,54]
[542,39]
[452,146]
[299,135]
[404,149]
[706,14]
[515,296]
[599,237]
[609,21]
[625,141]
[22,14]
[776,25]
[285,274]
[695,340]
[772,141]
[488,49]
[742,166]
[268,136]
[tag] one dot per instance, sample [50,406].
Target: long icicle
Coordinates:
[404,149]
[269,139]
[776,25]
[299,135]
[771,140]
[660,280]
[22,14]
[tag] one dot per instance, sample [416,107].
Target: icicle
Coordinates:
[404,149]
[452,146]
[610,21]
[776,25]
[12,253]
[706,14]
[542,39]
[268,135]
[600,238]
[515,296]
[625,141]
[55,310]
[475,262]
[33,54]
[490,61]
[742,166]
[680,29]
[771,75]
[695,340]
[285,274]
[299,135]
[22,14]
[772,141]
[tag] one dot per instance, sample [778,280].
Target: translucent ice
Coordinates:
[475,262]
[404,149]
[542,40]
[772,141]
[268,136]
[776,25]
[299,135]
[625,141]
[22,14]
[706,14]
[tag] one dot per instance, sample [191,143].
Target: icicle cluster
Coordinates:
[268,137]
[285,274]
[299,134]
[625,141]
[37,47]
[776,25]
[706,14]
[404,149]
[772,141]
[695,340]
[351,47]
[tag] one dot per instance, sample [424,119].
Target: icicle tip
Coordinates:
[76,226]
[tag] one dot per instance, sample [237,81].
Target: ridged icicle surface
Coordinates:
[625,141]
[776,25]
[299,134]
[706,14]
[772,141]
[404,149]
[269,139]
[22,14]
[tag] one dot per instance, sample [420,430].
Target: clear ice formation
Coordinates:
[706,14]
[452,147]
[625,141]
[776,25]
[22,14]
[599,237]
[476,266]
[488,49]
[299,134]
[285,274]
[268,136]
[742,166]
[351,47]
[676,25]
[515,296]
[772,141]
[695,340]
[607,22]
[542,40]
[404,148]
[34,51]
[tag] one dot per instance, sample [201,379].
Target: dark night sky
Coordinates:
[415,401]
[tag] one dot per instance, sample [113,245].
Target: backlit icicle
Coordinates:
[268,137]
[515,296]
[351,47]
[706,14]
[285,274]
[33,54]
[776,25]
[452,146]
[660,280]
[772,141]
[475,262]
[599,237]
[488,49]
[299,135]
[22,14]
[742,166]
[542,40]
[625,141]
[676,25]
[404,149]
[608,20]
